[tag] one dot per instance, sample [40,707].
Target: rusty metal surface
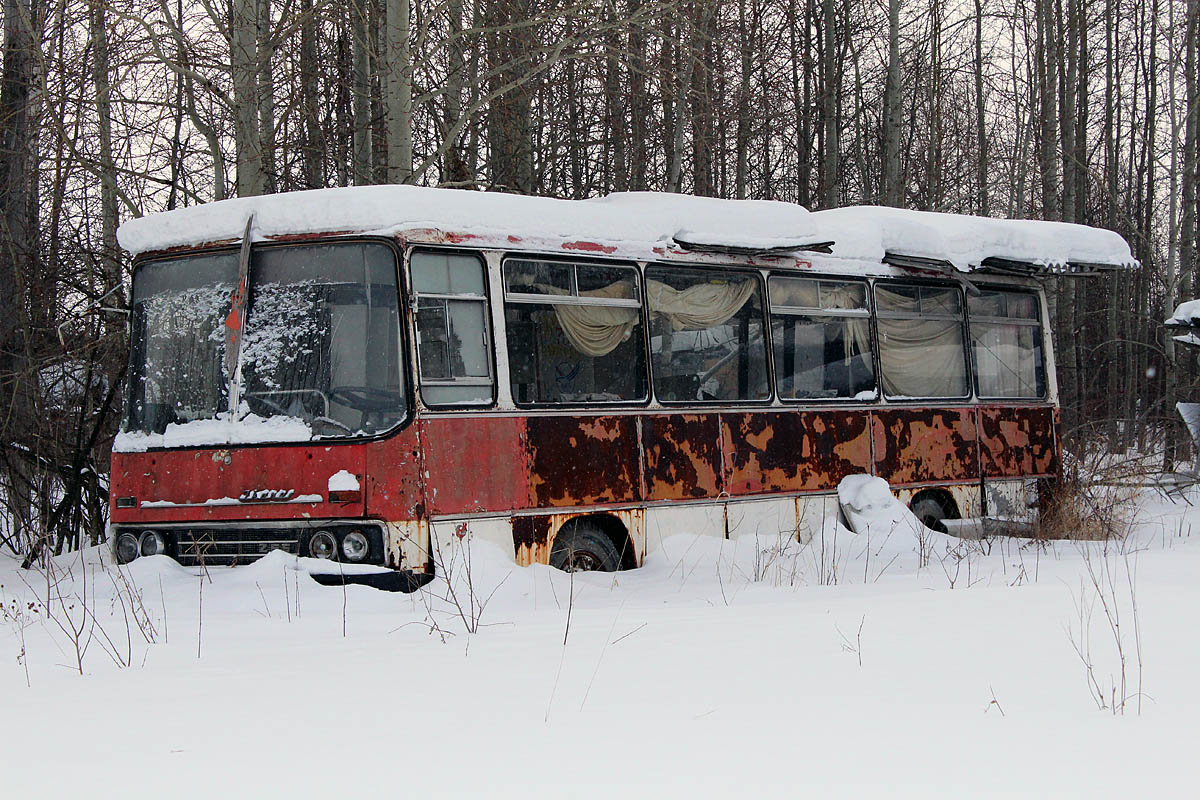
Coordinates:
[683,456]
[790,451]
[1018,441]
[534,534]
[393,489]
[917,445]
[474,464]
[531,537]
[188,479]
[579,461]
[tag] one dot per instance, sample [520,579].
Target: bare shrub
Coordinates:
[1094,499]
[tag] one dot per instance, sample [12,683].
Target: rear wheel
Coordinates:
[584,548]
[931,512]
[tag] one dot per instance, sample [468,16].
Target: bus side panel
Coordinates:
[919,445]
[683,456]
[1017,442]
[581,461]
[393,487]
[475,464]
[793,451]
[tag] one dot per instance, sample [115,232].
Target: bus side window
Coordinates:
[706,335]
[453,345]
[921,350]
[821,333]
[1006,338]
[574,332]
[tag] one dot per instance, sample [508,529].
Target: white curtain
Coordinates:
[597,330]
[919,357]
[700,306]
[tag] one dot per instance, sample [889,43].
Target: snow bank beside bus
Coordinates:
[870,507]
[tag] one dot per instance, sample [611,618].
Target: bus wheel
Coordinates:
[584,549]
[928,508]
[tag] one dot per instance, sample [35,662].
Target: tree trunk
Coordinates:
[893,189]
[399,92]
[243,63]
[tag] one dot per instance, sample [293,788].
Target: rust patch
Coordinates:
[788,451]
[1018,442]
[579,461]
[919,445]
[531,539]
[589,247]
[683,456]
[309,237]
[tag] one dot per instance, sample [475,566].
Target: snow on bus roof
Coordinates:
[632,225]
[969,242]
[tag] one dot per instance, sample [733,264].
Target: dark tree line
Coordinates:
[1079,110]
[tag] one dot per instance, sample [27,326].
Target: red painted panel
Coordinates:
[474,464]
[394,480]
[918,445]
[1016,441]
[683,456]
[189,478]
[793,451]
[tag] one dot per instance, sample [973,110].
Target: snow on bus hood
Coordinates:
[248,429]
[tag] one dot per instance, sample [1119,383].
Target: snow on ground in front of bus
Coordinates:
[899,666]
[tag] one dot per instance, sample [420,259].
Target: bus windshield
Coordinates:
[320,351]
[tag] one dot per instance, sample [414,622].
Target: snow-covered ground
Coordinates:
[854,666]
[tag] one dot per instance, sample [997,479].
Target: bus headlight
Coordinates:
[152,544]
[355,546]
[322,545]
[127,548]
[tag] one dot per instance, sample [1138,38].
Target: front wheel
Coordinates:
[584,549]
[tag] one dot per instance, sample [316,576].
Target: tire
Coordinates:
[931,513]
[584,549]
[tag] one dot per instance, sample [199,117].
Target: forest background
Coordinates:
[1080,110]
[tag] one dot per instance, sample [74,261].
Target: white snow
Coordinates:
[869,505]
[306,499]
[1187,314]
[851,666]
[343,481]
[643,220]
[631,224]
[247,429]
[868,232]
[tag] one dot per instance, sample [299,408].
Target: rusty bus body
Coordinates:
[525,474]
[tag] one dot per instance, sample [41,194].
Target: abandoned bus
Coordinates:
[361,374]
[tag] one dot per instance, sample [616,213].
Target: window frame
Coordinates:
[493,378]
[866,312]
[764,313]
[964,333]
[519,298]
[1038,323]
[403,342]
